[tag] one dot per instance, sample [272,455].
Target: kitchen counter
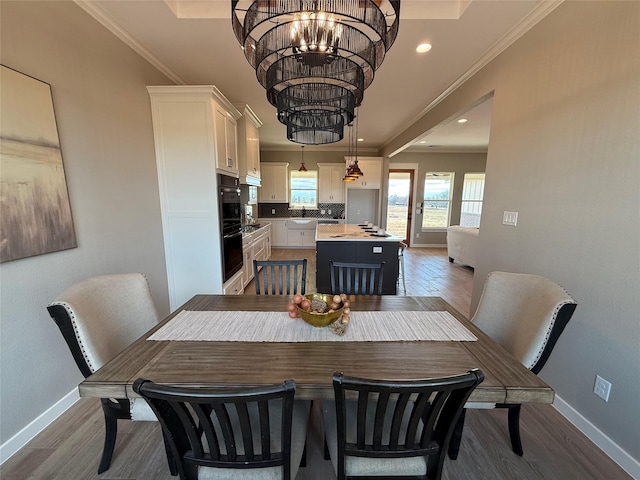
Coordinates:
[349,231]
[350,243]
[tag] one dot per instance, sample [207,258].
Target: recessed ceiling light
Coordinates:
[463,120]
[423,48]
[423,141]
[361,139]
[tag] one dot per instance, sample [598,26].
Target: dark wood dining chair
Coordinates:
[280,277]
[231,433]
[98,318]
[394,429]
[525,314]
[356,278]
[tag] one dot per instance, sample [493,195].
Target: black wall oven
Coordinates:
[230,225]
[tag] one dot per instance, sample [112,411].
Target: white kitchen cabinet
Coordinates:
[278,232]
[255,246]
[247,260]
[234,285]
[330,184]
[275,182]
[226,141]
[188,155]
[372,169]
[301,233]
[249,146]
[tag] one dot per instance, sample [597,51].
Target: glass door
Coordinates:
[399,203]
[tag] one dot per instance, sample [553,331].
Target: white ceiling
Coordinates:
[204,51]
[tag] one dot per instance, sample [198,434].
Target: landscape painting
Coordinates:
[35,214]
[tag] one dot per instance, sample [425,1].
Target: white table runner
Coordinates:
[240,326]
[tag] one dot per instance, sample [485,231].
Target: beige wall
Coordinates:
[564,153]
[104,122]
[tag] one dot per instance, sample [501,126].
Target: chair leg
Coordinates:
[456,437]
[327,455]
[514,428]
[173,467]
[110,433]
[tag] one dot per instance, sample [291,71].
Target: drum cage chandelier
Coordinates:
[315,58]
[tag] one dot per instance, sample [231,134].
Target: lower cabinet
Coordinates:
[235,285]
[255,246]
[278,232]
[301,237]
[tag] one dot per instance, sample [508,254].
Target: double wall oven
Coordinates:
[230,225]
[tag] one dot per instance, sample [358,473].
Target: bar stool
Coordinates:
[401,247]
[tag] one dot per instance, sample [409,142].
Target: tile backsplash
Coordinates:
[282,210]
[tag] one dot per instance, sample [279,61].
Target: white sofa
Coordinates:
[462,244]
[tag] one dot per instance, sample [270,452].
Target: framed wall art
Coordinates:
[35,213]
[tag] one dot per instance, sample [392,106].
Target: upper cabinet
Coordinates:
[372,169]
[330,184]
[226,141]
[249,146]
[275,182]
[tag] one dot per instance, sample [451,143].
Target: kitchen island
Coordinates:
[352,243]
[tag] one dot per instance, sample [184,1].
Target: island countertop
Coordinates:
[348,232]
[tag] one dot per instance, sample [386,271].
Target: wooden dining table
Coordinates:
[312,364]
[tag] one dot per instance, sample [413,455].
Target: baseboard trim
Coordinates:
[602,441]
[429,245]
[24,436]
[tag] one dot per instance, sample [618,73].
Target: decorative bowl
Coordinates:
[320,319]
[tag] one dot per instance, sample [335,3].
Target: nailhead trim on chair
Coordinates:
[67,307]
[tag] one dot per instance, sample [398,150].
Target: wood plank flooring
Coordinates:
[70,448]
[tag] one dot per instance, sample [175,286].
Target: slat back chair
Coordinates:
[231,432]
[280,277]
[356,278]
[98,318]
[395,429]
[525,314]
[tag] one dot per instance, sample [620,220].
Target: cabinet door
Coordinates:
[330,184]
[279,233]
[275,183]
[371,168]
[231,140]
[309,238]
[226,146]
[247,267]
[294,238]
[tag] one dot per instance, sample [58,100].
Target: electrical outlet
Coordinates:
[602,388]
[322,212]
[273,211]
[329,212]
[417,235]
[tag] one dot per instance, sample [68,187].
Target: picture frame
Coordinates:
[35,211]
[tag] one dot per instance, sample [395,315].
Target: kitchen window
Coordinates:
[472,197]
[438,188]
[303,188]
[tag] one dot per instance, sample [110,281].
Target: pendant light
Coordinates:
[302,167]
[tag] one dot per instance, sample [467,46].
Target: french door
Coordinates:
[400,203]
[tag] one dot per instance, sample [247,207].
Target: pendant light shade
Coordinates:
[302,167]
[315,58]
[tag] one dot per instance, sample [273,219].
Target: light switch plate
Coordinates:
[510,218]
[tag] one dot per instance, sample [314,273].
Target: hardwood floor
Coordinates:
[70,448]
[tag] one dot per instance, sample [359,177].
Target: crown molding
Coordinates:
[544,8]
[106,20]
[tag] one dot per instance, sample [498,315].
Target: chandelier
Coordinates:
[315,58]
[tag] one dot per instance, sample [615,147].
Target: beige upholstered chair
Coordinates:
[98,318]
[525,314]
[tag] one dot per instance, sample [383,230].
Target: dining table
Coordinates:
[208,360]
